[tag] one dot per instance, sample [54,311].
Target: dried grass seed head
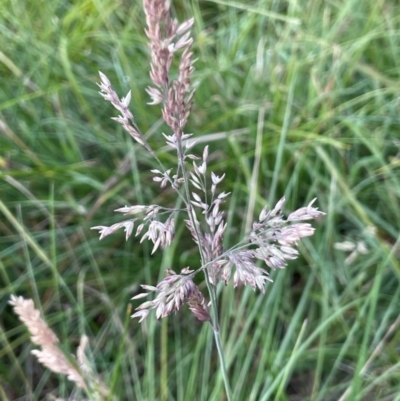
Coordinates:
[49,355]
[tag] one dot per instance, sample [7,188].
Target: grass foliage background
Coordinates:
[297,98]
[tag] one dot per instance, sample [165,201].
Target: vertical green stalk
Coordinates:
[210,287]
[217,336]
[164,360]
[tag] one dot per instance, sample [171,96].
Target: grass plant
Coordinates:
[294,98]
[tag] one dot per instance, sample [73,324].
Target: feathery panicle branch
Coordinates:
[167,37]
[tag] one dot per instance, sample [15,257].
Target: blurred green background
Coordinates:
[297,98]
